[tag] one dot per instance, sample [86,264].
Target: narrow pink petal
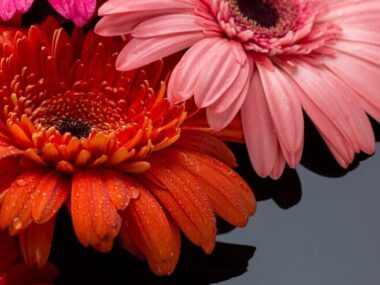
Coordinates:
[279,166]
[167,25]
[222,76]
[186,73]
[285,111]
[347,12]
[232,96]
[139,52]
[259,130]
[115,25]
[78,11]
[124,6]
[361,35]
[9,7]
[362,76]
[367,52]
[327,96]
[332,108]
[222,112]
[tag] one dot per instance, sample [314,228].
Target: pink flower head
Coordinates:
[78,11]
[271,59]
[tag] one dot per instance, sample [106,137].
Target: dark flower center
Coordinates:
[77,128]
[262,12]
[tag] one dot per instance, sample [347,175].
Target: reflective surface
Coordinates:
[316,225]
[330,237]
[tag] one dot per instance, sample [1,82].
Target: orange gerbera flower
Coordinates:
[14,272]
[109,144]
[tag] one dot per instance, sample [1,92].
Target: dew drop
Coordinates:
[17,223]
[21,182]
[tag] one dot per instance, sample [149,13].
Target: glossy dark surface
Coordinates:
[310,228]
[330,237]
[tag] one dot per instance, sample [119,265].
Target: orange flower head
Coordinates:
[108,144]
[70,109]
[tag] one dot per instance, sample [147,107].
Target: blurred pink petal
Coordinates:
[9,7]
[78,11]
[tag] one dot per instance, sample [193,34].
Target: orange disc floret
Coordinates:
[71,109]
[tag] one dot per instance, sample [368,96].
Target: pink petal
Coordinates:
[279,165]
[218,74]
[367,52]
[186,73]
[78,11]
[9,7]
[259,131]
[347,12]
[222,112]
[332,108]
[167,25]
[361,35]
[115,25]
[362,76]
[124,6]
[123,23]
[285,111]
[139,52]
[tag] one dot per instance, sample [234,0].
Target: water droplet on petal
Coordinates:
[21,182]
[17,223]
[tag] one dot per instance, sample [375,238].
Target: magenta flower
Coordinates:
[271,59]
[78,11]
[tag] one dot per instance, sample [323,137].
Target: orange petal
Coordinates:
[35,243]
[119,190]
[8,251]
[207,144]
[16,210]
[197,121]
[231,197]
[8,150]
[128,244]
[95,218]
[149,228]
[21,274]
[10,169]
[49,196]
[185,199]
[233,132]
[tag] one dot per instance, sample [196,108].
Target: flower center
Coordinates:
[75,127]
[70,110]
[261,12]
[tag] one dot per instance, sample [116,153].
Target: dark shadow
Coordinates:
[376,129]
[318,158]
[286,192]
[39,11]
[79,265]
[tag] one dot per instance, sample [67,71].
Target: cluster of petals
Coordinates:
[15,272]
[78,11]
[275,61]
[110,146]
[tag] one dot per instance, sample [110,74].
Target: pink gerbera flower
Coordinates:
[78,11]
[271,59]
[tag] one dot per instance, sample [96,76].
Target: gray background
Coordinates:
[330,237]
